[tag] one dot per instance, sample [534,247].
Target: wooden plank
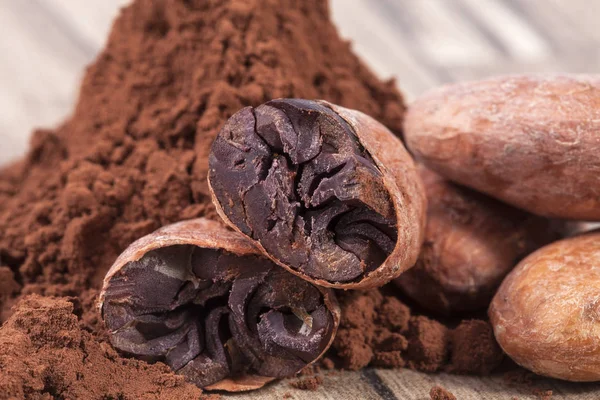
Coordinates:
[382,47]
[519,38]
[444,35]
[92,19]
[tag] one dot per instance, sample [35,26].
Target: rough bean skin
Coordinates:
[546,314]
[530,141]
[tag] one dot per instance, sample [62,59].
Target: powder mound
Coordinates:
[134,155]
[474,348]
[372,331]
[439,393]
[427,344]
[379,330]
[45,354]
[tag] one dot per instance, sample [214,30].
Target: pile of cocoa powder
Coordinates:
[46,354]
[133,157]
[377,329]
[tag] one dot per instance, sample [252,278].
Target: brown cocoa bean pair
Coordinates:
[533,142]
[326,193]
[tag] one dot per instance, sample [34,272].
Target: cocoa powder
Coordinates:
[133,157]
[308,383]
[439,393]
[379,330]
[474,349]
[47,355]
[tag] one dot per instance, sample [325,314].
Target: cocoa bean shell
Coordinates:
[546,314]
[531,141]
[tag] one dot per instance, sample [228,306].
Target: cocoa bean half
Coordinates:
[205,302]
[328,193]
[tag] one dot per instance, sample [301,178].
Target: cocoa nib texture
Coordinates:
[210,314]
[293,175]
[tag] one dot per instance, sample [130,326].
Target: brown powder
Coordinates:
[439,393]
[379,330]
[327,363]
[542,394]
[474,348]
[427,344]
[518,376]
[371,330]
[527,380]
[309,383]
[8,288]
[47,355]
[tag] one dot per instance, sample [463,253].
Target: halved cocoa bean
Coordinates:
[326,192]
[205,302]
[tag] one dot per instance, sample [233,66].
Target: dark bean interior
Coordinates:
[292,174]
[210,314]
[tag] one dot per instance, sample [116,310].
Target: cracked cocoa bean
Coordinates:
[328,193]
[202,300]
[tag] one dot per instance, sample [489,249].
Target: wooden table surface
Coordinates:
[45,45]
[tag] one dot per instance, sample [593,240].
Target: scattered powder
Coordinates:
[308,383]
[310,370]
[379,330]
[519,376]
[439,393]
[327,363]
[543,394]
